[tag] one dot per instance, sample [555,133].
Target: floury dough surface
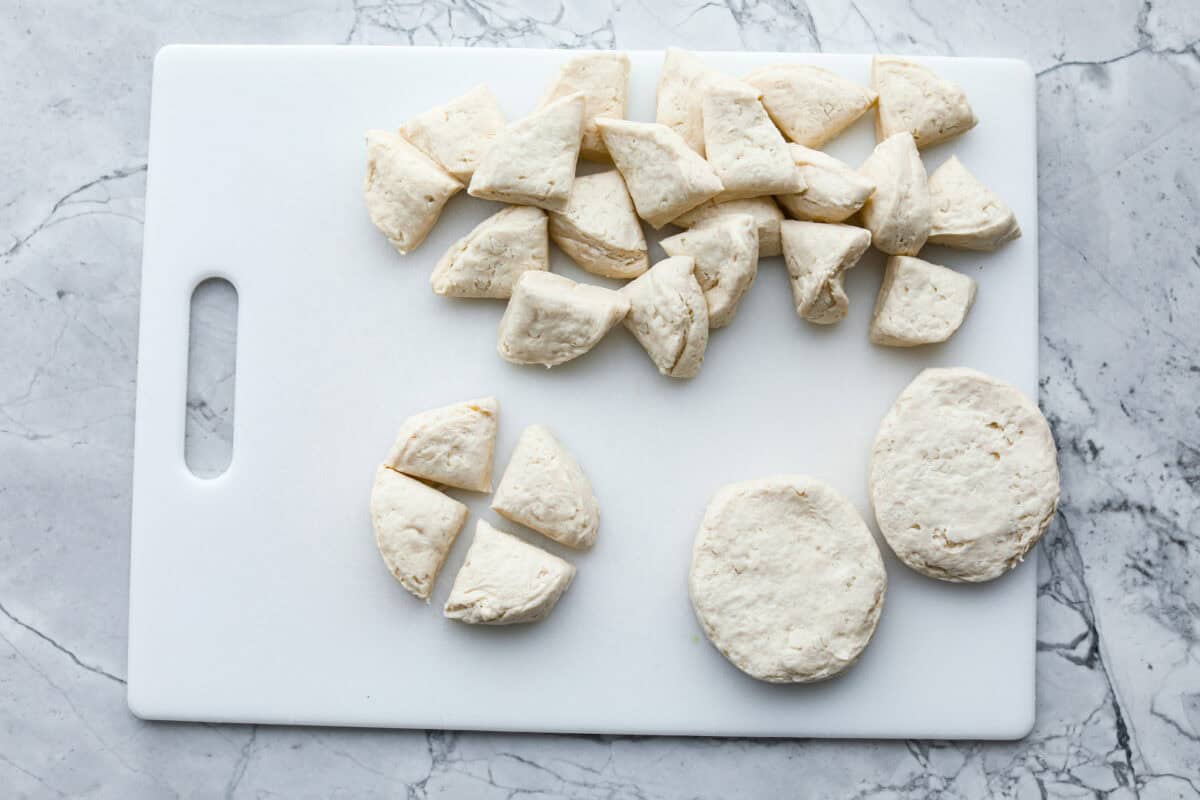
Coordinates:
[451,445]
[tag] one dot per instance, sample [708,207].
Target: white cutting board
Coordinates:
[258,596]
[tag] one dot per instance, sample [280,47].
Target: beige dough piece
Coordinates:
[767,217]
[963,475]
[532,161]
[603,79]
[965,213]
[457,134]
[898,213]
[664,176]
[725,252]
[680,92]
[544,488]
[599,229]
[786,580]
[810,105]
[818,255]
[551,319]
[488,260]
[913,98]
[743,146]
[669,317]
[405,189]
[835,189]
[920,303]
[451,445]
[505,581]
[415,526]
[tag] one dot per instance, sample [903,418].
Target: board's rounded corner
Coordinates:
[167,55]
[1022,725]
[137,703]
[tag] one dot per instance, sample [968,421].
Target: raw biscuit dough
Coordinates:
[415,526]
[913,98]
[725,252]
[665,177]
[743,146]
[603,78]
[405,189]
[920,303]
[963,475]
[767,218]
[680,92]
[505,581]
[532,161]
[810,105]
[669,317]
[457,134]
[488,260]
[786,580]
[551,319]
[835,189]
[818,255]
[451,445]
[544,488]
[599,229]
[965,213]
[898,213]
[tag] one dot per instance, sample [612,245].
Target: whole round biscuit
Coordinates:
[964,478]
[786,579]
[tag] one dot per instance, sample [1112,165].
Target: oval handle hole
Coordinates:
[211,376]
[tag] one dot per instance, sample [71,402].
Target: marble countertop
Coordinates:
[1119,612]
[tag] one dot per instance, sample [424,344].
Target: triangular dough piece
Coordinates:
[603,79]
[680,94]
[767,217]
[669,317]
[532,161]
[967,214]
[920,303]
[725,252]
[835,190]
[543,488]
[505,581]
[551,319]
[818,255]
[457,134]
[743,146]
[405,189]
[488,260]
[600,229]
[664,176]
[415,526]
[810,105]
[898,213]
[913,98]
[451,445]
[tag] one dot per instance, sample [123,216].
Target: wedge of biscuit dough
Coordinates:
[669,316]
[603,79]
[966,213]
[551,319]
[914,99]
[920,303]
[835,190]
[818,255]
[405,189]
[457,134]
[680,92]
[743,146]
[451,445]
[766,213]
[488,260]
[810,105]
[599,229]
[725,252]
[898,213]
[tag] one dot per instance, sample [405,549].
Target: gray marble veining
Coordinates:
[1119,187]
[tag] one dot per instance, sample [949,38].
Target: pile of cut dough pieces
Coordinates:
[724,160]
[504,579]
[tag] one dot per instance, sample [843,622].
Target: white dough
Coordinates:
[405,189]
[532,161]
[488,260]
[818,255]
[599,229]
[919,303]
[603,79]
[725,251]
[767,217]
[744,147]
[505,581]
[451,445]
[786,579]
[415,526]
[835,189]
[457,134]
[810,105]
[669,317]
[914,99]
[964,477]
[665,177]
[967,214]
[898,213]
[680,93]
[551,319]
[544,488]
